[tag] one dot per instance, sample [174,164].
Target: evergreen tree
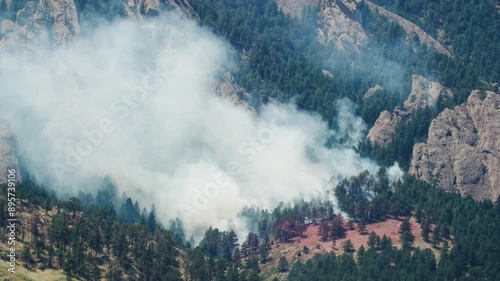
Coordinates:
[348,246]
[338,229]
[324,231]
[385,243]
[362,227]
[436,237]
[373,240]
[405,236]
[282,264]
[151,222]
[361,254]
[425,230]
[264,249]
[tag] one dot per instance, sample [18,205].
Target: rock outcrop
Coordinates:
[340,24]
[411,29]
[135,9]
[138,9]
[384,129]
[462,152]
[40,22]
[295,7]
[181,6]
[227,88]
[372,91]
[55,22]
[423,94]
[8,158]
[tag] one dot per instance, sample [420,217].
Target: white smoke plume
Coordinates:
[394,172]
[135,102]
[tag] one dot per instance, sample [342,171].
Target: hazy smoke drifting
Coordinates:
[135,101]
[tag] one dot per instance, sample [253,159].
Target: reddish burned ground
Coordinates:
[312,240]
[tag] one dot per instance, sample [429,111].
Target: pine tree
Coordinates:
[324,231]
[264,249]
[120,245]
[26,255]
[282,264]
[360,254]
[151,221]
[236,256]
[348,246]
[252,263]
[233,274]
[362,227]
[383,242]
[373,240]
[406,237]
[338,229]
[95,272]
[418,214]
[50,256]
[436,237]
[350,224]
[425,230]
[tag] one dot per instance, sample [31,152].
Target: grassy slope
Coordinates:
[23,274]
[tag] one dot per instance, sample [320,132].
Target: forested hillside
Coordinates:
[98,242]
[380,224]
[469,28]
[471,254]
[284,60]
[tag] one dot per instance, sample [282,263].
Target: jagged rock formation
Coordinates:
[40,22]
[181,6]
[55,22]
[423,94]
[295,7]
[230,90]
[411,29]
[8,158]
[340,24]
[384,129]
[372,91]
[462,152]
[137,9]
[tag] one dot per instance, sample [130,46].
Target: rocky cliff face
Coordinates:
[182,6]
[8,158]
[55,22]
[411,29]
[340,24]
[137,9]
[423,93]
[295,7]
[372,91]
[40,22]
[227,88]
[462,152]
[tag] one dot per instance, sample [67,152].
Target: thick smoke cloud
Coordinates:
[136,102]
